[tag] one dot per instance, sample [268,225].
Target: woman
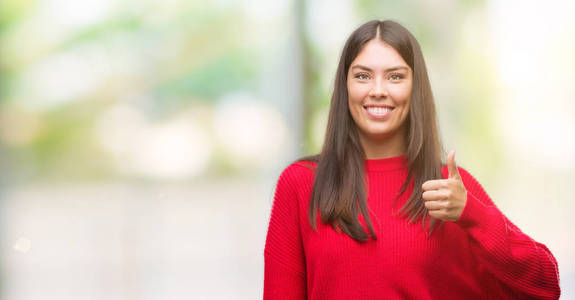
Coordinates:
[333,232]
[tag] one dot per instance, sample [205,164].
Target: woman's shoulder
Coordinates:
[306,164]
[298,171]
[303,164]
[299,168]
[468,180]
[464,173]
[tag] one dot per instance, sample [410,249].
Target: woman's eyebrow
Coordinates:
[386,70]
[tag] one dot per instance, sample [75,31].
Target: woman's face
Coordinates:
[379,90]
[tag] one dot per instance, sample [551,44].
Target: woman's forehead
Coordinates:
[378,55]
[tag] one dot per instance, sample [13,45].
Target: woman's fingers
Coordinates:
[435,184]
[435,195]
[435,205]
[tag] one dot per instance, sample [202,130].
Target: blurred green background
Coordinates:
[140,141]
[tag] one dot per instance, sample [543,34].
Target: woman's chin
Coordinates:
[378,133]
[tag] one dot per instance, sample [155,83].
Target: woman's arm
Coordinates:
[513,257]
[284,260]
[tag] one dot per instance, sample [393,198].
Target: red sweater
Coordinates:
[480,256]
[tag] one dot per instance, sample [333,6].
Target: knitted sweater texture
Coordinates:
[482,255]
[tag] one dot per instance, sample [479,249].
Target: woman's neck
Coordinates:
[391,146]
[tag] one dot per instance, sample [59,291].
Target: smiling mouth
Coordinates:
[378,111]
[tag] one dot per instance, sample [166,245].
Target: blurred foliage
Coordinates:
[66,148]
[12,11]
[198,54]
[182,63]
[212,79]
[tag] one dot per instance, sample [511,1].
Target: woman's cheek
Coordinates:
[361,92]
[396,90]
[352,93]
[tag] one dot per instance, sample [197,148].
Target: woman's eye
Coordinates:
[396,77]
[362,76]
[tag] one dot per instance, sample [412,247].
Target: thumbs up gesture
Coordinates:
[446,198]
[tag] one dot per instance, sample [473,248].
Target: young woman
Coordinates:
[333,232]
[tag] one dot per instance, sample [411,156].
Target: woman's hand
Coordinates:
[446,198]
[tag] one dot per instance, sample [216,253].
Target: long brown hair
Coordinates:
[339,189]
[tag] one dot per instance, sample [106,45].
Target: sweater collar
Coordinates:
[386,164]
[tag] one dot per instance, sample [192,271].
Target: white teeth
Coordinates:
[378,110]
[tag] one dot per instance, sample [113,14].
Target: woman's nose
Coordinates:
[378,89]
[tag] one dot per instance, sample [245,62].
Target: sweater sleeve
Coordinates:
[518,261]
[284,260]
